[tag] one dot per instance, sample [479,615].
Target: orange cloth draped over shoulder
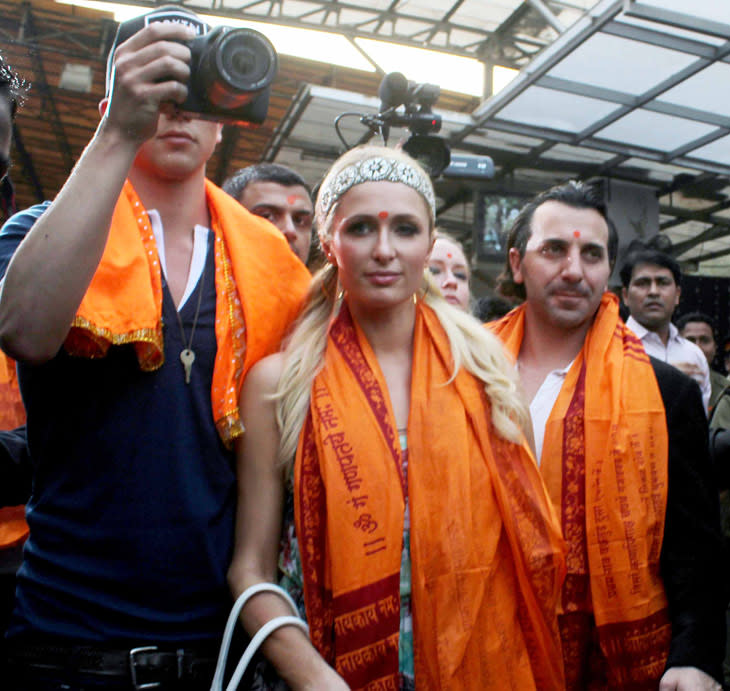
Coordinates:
[604,461]
[13,528]
[12,410]
[487,555]
[260,286]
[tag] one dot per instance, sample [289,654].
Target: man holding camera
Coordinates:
[135,304]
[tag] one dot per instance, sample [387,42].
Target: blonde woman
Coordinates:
[450,268]
[391,431]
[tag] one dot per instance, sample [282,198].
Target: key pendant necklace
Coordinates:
[187,354]
[187,357]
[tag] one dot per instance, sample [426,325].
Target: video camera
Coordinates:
[417,115]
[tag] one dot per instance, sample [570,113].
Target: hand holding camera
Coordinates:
[150,68]
[170,59]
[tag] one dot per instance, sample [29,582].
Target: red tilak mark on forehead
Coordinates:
[449,255]
[291,198]
[576,233]
[383,214]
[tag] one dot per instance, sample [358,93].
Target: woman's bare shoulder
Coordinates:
[263,377]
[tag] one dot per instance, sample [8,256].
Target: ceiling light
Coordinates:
[76,77]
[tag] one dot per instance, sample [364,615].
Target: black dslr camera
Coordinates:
[231,71]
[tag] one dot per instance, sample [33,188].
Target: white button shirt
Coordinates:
[676,350]
[543,403]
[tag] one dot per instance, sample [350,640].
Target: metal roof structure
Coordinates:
[635,90]
[39,38]
[509,32]
[631,90]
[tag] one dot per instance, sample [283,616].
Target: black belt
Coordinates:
[146,667]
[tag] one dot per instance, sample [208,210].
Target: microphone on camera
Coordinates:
[393,91]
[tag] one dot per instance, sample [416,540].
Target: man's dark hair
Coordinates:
[579,195]
[647,255]
[12,87]
[491,307]
[263,172]
[697,317]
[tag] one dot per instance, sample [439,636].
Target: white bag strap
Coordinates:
[258,639]
[261,635]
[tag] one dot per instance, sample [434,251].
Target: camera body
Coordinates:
[231,71]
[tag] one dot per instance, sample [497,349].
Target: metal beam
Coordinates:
[547,15]
[659,38]
[710,255]
[712,233]
[697,143]
[586,26]
[284,129]
[621,98]
[649,95]
[26,161]
[28,29]
[680,20]
[702,215]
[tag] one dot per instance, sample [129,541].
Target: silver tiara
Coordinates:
[374,169]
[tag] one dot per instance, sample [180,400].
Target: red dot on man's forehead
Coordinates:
[383,214]
[292,198]
[576,233]
[449,255]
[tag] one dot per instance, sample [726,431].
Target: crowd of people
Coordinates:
[530,503]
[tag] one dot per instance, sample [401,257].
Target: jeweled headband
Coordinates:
[375,169]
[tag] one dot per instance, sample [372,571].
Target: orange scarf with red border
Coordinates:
[259,282]
[487,556]
[13,528]
[604,462]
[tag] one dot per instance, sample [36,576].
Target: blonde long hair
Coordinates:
[473,347]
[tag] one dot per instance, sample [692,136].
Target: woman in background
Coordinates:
[389,437]
[450,269]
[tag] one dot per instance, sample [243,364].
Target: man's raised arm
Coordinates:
[53,266]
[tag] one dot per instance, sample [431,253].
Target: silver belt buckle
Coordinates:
[133,668]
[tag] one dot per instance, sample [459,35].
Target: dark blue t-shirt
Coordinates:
[132,511]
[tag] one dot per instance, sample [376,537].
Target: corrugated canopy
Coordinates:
[635,90]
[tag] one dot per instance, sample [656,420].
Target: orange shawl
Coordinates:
[259,288]
[487,556]
[13,528]
[605,466]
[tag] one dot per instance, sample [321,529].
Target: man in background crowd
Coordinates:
[135,303]
[12,92]
[622,446]
[279,195]
[651,288]
[13,451]
[699,328]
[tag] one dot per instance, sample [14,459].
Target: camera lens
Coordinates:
[238,64]
[243,62]
[247,59]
